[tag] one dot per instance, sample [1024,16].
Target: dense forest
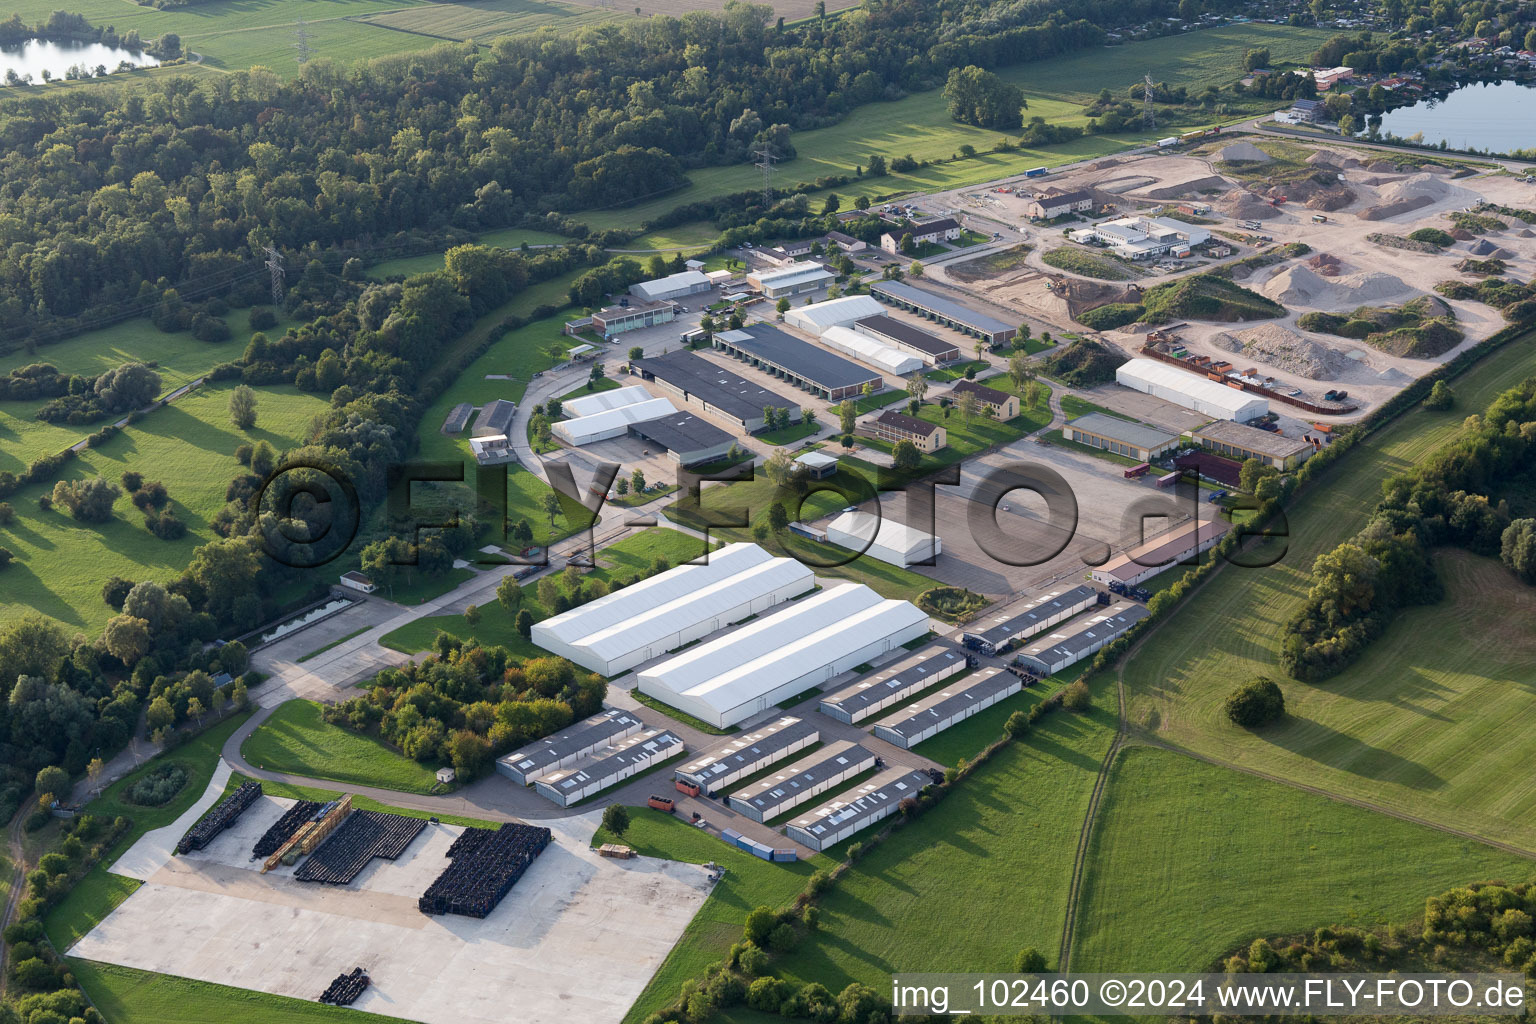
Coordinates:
[112,196]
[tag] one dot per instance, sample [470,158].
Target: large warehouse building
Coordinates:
[793,279]
[1181,387]
[673,286]
[749,669]
[568,746]
[950,706]
[609,766]
[884,539]
[1239,442]
[1014,625]
[870,351]
[712,389]
[945,311]
[1122,437]
[851,812]
[873,693]
[748,753]
[799,362]
[688,440]
[645,620]
[1083,637]
[809,777]
[602,401]
[1162,552]
[817,317]
[930,348]
[610,423]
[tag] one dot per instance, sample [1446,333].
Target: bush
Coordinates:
[1434,236]
[1077,697]
[1029,961]
[1440,397]
[157,788]
[1111,315]
[262,318]
[132,480]
[783,938]
[1256,703]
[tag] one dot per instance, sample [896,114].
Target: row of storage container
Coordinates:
[757,849]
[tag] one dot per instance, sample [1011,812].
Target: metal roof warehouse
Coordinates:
[1083,636]
[800,362]
[1043,612]
[848,813]
[749,753]
[945,311]
[925,667]
[928,347]
[612,765]
[687,438]
[950,706]
[714,389]
[567,746]
[794,784]
[1162,552]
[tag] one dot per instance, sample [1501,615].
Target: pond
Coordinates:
[1496,116]
[35,56]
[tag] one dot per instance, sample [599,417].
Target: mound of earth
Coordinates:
[1462,234]
[1331,199]
[1422,185]
[1302,286]
[1482,247]
[1242,152]
[1392,375]
[1502,253]
[1332,158]
[1240,204]
[1285,350]
[1209,183]
[1522,233]
[1381,167]
[1402,206]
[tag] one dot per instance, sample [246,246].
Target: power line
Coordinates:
[765,158]
[275,265]
[301,35]
[1148,114]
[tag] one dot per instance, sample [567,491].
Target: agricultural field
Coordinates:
[507,238]
[920,125]
[998,849]
[297,741]
[188,445]
[1425,722]
[1181,871]
[483,20]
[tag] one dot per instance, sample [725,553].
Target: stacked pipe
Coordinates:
[346,988]
[283,829]
[358,840]
[220,818]
[485,866]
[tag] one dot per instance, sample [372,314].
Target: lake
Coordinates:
[35,56]
[1499,117]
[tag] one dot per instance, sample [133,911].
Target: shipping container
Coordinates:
[1035,172]
[1136,471]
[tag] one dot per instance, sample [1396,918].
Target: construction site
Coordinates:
[1351,244]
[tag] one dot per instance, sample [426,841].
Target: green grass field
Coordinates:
[483,20]
[89,902]
[509,238]
[189,445]
[1056,89]
[748,883]
[978,877]
[1189,860]
[1426,721]
[297,741]
[126,996]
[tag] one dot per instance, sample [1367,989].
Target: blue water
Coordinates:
[1499,117]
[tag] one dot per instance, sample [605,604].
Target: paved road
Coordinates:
[1264,126]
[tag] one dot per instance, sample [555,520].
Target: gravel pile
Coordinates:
[1242,152]
[1285,350]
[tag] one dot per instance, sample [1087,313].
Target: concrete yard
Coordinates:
[212,916]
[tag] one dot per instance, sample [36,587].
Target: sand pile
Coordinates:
[1381,167]
[1242,152]
[1209,183]
[1482,247]
[1387,211]
[1426,185]
[1325,263]
[1332,158]
[1461,234]
[1284,350]
[1241,204]
[1301,286]
[1522,233]
[1392,375]
[1502,254]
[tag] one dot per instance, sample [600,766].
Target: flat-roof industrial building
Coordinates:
[1241,442]
[712,389]
[1181,387]
[1143,237]
[673,286]
[818,316]
[609,766]
[802,645]
[1162,552]
[801,363]
[930,348]
[1008,627]
[884,539]
[927,666]
[790,280]
[953,704]
[1083,637]
[807,778]
[609,423]
[871,351]
[749,753]
[945,311]
[647,619]
[568,746]
[1122,437]
[687,438]
[851,812]
[631,316]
